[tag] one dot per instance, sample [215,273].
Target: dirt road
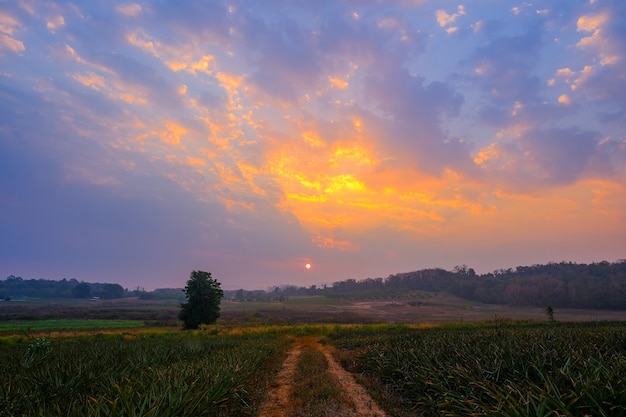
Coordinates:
[358,403]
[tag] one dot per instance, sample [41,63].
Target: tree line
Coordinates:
[15,287]
[599,285]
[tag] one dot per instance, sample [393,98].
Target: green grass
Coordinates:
[67,324]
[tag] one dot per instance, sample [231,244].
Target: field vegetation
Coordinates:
[499,370]
[495,368]
[126,374]
[417,353]
[66,324]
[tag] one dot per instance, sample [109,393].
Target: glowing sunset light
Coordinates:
[247,139]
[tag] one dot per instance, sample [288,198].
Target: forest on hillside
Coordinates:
[567,285]
[599,285]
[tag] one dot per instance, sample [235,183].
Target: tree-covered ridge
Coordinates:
[568,285]
[599,285]
[66,288]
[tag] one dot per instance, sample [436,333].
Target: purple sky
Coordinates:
[142,140]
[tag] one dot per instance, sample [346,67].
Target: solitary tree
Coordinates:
[204,295]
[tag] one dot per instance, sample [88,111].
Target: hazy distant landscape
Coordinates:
[426,342]
[575,291]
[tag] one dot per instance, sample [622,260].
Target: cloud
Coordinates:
[150,138]
[502,68]
[602,38]
[118,208]
[9,25]
[445,19]
[410,122]
[551,157]
[129,9]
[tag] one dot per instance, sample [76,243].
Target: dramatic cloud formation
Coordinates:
[142,140]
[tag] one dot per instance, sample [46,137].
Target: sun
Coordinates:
[308,266]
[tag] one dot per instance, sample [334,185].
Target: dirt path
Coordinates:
[278,403]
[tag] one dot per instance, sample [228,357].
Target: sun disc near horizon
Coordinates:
[308,266]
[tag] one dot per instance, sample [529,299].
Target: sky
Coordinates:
[140,141]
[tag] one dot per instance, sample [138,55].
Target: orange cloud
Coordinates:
[54,23]
[591,23]
[172,133]
[597,41]
[143,42]
[444,18]
[118,91]
[90,80]
[588,207]
[344,185]
[194,162]
[338,83]
[312,139]
[131,99]
[206,64]
[229,82]
[486,154]
[565,72]
[71,53]
[330,243]
[565,99]
[8,25]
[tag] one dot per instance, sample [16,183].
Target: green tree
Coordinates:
[82,290]
[204,295]
[112,291]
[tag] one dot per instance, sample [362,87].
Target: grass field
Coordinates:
[490,369]
[421,354]
[66,324]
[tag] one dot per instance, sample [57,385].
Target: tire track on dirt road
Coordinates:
[360,403]
[277,405]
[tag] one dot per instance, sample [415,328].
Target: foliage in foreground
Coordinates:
[565,370]
[123,375]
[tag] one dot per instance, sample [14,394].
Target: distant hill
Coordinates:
[568,285]
[599,285]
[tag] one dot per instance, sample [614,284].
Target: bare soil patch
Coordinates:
[414,307]
[277,404]
[364,404]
